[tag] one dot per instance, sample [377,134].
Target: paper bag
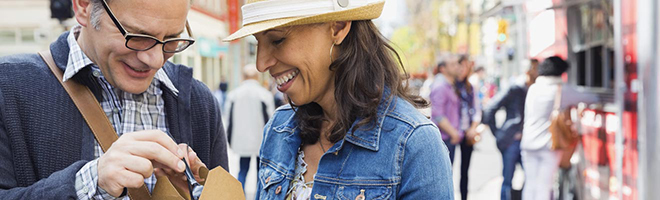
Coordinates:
[218,184]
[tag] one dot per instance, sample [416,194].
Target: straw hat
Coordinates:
[261,15]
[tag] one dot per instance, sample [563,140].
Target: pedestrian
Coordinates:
[221,94]
[540,161]
[509,134]
[478,81]
[470,118]
[249,107]
[445,104]
[48,151]
[351,129]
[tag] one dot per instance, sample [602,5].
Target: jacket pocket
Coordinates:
[356,192]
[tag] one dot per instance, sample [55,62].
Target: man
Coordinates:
[445,104]
[47,150]
[250,106]
[508,136]
[221,94]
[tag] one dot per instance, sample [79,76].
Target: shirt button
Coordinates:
[278,190]
[96,73]
[267,179]
[115,110]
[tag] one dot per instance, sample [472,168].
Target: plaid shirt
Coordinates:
[127,113]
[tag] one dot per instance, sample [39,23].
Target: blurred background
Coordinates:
[611,46]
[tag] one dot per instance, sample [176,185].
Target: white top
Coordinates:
[538,107]
[248,121]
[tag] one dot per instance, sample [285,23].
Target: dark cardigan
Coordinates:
[44,140]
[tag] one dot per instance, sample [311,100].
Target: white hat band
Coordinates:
[278,9]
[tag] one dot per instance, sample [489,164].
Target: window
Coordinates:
[7,36]
[28,36]
[590,44]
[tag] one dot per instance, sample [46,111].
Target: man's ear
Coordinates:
[340,31]
[83,10]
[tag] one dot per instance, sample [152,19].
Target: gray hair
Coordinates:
[97,8]
[95,17]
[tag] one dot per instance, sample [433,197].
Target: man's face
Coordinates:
[453,68]
[133,71]
[533,72]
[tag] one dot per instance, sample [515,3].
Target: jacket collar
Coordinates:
[367,136]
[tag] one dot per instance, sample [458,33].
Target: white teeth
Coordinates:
[286,78]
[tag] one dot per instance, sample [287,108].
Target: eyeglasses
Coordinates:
[140,42]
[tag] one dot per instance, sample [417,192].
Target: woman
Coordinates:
[470,117]
[540,161]
[351,130]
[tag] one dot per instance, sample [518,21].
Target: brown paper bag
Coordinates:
[218,184]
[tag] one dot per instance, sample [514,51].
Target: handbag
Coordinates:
[564,135]
[222,185]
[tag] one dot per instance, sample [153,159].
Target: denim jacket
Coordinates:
[399,156]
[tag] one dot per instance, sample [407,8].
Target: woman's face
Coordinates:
[466,69]
[298,59]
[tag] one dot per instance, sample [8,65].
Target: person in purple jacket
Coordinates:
[445,104]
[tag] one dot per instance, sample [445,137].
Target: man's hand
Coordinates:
[454,138]
[179,179]
[133,157]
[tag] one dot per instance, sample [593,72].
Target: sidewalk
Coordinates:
[485,173]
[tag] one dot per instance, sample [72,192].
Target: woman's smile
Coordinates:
[285,80]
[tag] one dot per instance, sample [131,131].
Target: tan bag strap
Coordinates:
[94,115]
[557,105]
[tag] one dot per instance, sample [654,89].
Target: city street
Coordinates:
[193,68]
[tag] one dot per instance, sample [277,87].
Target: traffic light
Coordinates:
[502,26]
[61,9]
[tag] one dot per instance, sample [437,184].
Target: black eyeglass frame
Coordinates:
[128,35]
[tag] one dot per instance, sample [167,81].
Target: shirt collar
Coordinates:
[549,80]
[78,61]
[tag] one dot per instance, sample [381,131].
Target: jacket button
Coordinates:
[361,196]
[278,190]
[267,179]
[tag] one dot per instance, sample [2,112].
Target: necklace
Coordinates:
[321,145]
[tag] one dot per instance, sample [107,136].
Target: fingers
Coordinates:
[156,152]
[194,162]
[156,136]
[133,157]
[131,179]
[138,165]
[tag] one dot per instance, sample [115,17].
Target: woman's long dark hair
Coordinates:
[365,66]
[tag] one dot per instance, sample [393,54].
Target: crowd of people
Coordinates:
[461,101]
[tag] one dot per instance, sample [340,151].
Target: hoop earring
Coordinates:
[331,46]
